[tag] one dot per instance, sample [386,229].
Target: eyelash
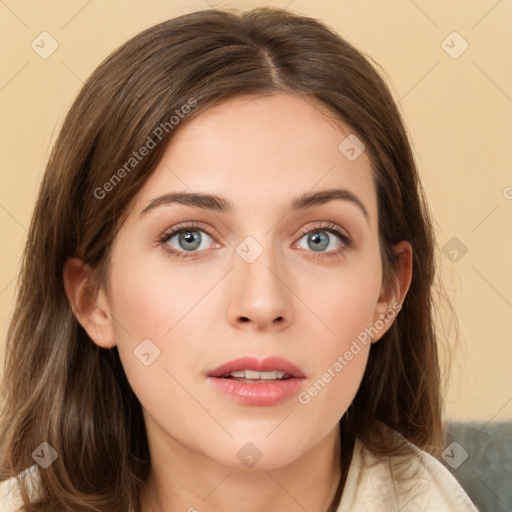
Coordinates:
[192,226]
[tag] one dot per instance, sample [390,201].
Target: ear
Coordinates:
[90,309]
[390,301]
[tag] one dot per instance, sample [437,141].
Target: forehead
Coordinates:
[261,150]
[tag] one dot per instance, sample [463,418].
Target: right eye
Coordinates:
[187,238]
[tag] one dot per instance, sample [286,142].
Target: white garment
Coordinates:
[10,497]
[372,484]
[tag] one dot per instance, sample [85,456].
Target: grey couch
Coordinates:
[479,455]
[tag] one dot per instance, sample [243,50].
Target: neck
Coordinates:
[308,483]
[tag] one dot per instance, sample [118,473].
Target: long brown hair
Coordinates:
[61,388]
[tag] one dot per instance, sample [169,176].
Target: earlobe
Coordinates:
[389,306]
[90,309]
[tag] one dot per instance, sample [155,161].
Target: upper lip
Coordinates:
[260,365]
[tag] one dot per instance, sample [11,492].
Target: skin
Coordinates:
[202,312]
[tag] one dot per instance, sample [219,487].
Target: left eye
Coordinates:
[321,240]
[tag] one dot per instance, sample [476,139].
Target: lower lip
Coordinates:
[259,392]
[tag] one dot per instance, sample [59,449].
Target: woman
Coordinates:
[226,290]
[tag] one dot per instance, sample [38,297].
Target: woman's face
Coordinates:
[252,281]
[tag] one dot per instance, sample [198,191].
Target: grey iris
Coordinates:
[320,238]
[190,237]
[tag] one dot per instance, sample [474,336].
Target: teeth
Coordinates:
[251,374]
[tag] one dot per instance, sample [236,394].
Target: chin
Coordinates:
[259,454]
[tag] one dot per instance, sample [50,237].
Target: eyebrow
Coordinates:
[216,203]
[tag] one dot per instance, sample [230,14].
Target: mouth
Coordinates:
[250,381]
[253,376]
[256,370]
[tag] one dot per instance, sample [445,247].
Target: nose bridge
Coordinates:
[258,290]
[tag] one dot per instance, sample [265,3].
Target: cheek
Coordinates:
[149,301]
[339,360]
[345,302]
[346,306]
[330,393]
[139,307]
[340,356]
[153,314]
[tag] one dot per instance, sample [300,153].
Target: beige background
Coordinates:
[458,112]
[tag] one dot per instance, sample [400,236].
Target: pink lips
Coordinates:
[251,363]
[259,392]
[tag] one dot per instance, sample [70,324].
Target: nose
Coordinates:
[259,296]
